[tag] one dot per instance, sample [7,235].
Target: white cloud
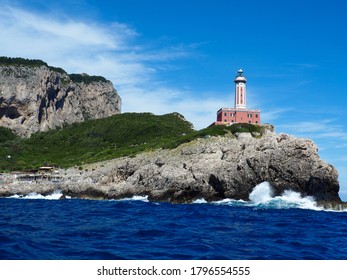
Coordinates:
[161,100]
[61,39]
[320,128]
[28,34]
[274,114]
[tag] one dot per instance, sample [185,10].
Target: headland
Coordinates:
[210,168]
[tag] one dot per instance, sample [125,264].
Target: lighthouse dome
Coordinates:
[239,77]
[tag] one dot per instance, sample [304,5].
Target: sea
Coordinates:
[286,227]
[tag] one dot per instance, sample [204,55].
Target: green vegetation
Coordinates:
[6,135]
[57,69]
[79,78]
[93,140]
[96,140]
[18,61]
[219,130]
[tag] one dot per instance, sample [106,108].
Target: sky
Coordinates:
[182,56]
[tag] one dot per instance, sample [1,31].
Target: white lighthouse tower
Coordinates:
[240,91]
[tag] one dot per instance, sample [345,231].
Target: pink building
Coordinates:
[240,113]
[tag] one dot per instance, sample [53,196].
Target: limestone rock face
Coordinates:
[214,169]
[39,98]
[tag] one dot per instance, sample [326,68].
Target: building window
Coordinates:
[256,121]
[225,120]
[249,121]
[256,115]
[225,114]
[249,115]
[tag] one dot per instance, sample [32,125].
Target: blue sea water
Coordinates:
[286,227]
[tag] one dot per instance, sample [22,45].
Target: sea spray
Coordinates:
[135,198]
[54,196]
[291,199]
[199,201]
[261,193]
[262,196]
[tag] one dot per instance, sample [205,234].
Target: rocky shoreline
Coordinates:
[212,169]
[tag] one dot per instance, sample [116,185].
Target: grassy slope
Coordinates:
[97,140]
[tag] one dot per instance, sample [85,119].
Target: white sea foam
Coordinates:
[199,201]
[229,201]
[262,195]
[54,196]
[306,202]
[136,198]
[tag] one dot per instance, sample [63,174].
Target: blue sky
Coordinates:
[181,55]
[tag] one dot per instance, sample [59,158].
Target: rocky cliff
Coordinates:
[36,97]
[213,169]
[219,168]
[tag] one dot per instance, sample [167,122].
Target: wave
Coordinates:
[199,201]
[261,193]
[54,196]
[135,198]
[262,196]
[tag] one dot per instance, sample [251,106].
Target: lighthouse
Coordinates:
[240,91]
[240,113]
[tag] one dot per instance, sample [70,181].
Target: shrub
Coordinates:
[84,78]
